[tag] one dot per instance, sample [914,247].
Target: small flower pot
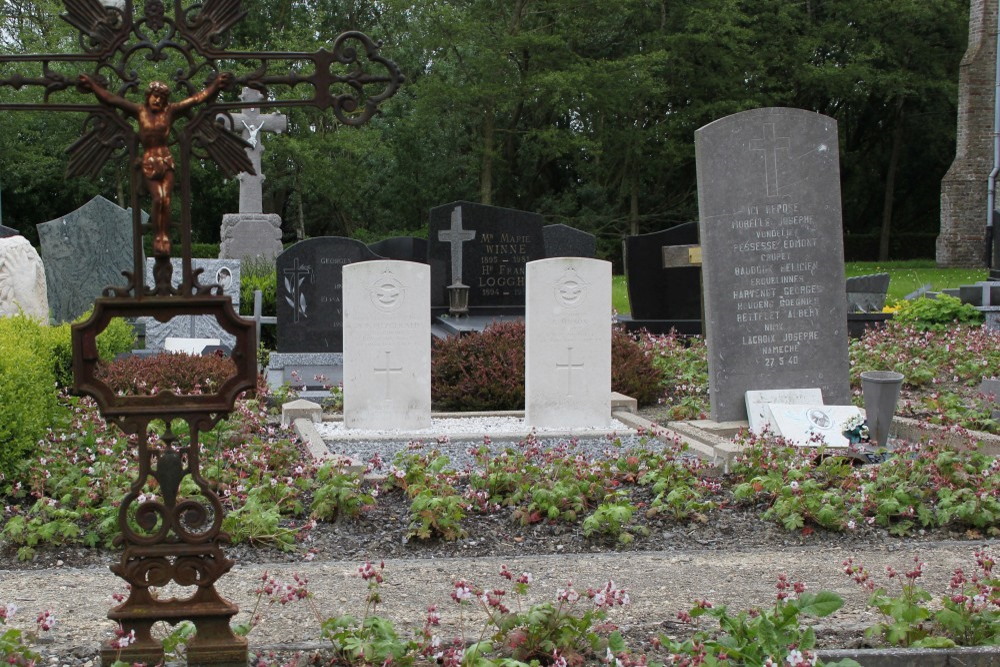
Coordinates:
[881,391]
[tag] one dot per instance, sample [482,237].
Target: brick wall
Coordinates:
[964,188]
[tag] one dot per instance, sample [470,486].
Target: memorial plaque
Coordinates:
[387,345]
[492,245]
[310,293]
[773,256]
[567,344]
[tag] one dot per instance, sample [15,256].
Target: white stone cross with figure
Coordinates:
[252,122]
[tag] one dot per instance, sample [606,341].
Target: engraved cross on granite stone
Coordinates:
[770,145]
[456,236]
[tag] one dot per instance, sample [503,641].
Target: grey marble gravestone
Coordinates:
[565,241]
[223,272]
[866,294]
[310,293]
[84,252]
[772,256]
[251,232]
[490,246]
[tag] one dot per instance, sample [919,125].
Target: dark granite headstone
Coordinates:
[984,293]
[565,241]
[656,293]
[310,293]
[866,294]
[772,256]
[8,231]
[405,248]
[495,244]
[84,252]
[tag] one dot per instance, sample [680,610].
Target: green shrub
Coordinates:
[485,371]
[936,314]
[258,274]
[27,388]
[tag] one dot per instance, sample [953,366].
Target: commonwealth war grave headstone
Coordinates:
[567,346]
[22,280]
[222,272]
[663,297]
[84,252]
[251,232]
[773,257]
[387,345]
[490,246]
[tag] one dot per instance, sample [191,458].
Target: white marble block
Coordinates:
[387,345]
[568,343]
[22,280]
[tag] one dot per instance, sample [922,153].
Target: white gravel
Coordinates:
[466,428]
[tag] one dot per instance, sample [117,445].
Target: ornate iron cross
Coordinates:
[173,539]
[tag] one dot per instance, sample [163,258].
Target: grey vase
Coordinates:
[881,392]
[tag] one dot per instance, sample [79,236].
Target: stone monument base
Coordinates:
[248,235]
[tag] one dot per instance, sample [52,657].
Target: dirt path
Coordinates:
[659,584]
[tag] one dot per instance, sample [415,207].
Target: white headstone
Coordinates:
[387,345]
[814,425]
[568,343]
[757,404]
[22,280]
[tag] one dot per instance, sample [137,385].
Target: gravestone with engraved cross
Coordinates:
[387,352]
[772,256]
[486,248]
[567,345]
[251,232]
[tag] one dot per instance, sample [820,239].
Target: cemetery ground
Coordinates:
[657,521]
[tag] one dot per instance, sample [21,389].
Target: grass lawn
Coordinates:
[906,278]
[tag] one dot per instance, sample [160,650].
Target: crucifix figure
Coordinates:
[568,367]
[456,236]
[156,116]
[770,145]
[253,122]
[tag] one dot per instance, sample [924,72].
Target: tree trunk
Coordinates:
[486,172]
[890,181]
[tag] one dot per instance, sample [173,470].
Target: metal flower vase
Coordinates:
[881,392]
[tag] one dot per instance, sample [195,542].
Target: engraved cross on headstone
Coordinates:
[294,277]
[389,371]
[456,236]
[251,123]
[568,367]
[770,145]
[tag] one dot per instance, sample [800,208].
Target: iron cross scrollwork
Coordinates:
[162,124]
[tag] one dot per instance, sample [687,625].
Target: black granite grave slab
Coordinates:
[772,256]
[310,293]
[495,244]
[6,232]
[656,293]
[565,241]
[405,248]
[866,294]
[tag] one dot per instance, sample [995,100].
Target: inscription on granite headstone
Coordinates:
[772,253]
[492,261]
[310,293]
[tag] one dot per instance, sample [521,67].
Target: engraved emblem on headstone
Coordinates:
[388,370]
[295,297]
[770,145]
[571,289]
[387,292]
[568,367]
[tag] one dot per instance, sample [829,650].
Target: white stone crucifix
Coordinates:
[251,122]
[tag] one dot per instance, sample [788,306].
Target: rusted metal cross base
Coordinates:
[213,644]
